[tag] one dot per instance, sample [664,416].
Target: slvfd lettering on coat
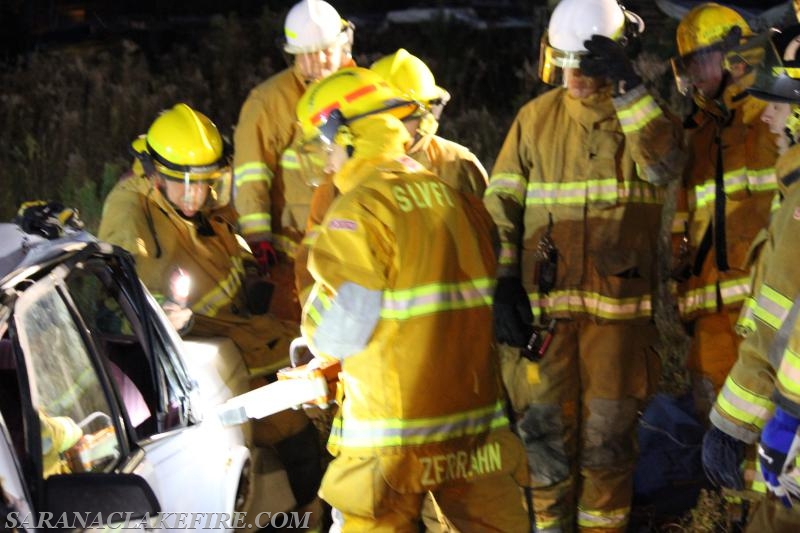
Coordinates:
[421,195]
[461,465]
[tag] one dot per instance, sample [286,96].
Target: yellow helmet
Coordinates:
[411,76]
[710,25]
[329,105]
[182,144]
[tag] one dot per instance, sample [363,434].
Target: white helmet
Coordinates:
[575,21]
[313,25]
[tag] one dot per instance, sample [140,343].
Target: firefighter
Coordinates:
[404,268]
[169,212]
[271,198]
[759,397]
[576,193]
[727,189]
[453,163]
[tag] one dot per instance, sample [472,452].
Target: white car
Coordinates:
[106,415]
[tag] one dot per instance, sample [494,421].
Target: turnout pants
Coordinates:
[578,422]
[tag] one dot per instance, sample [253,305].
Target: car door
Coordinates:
[193,464]
[103,389]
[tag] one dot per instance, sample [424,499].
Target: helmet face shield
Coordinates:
[313,158]
[701,71]
[316,65]
[553,62]
[776,79]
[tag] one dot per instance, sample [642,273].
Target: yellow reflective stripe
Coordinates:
[771,306]
[789,372]
[223,293]
[743,405]
[255,223]
[704,194]
[437,297]
[381,433]
[577,301]
[318,302]
[508,254]
[762,180]
[753,479]
[776,203]
[251,172]
[735,180]
[679,222]
[551,525]
[698,298]
[289,159]
[603,190]
[613,518]
[507,184]
[734,290]
[746,323]
[637,116]
[310,235]
[571,192]
[286,245]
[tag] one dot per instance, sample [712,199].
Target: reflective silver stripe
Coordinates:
[223,293]
[699,298]
[355,433]
[604,191]
[507,184]
[603,519]
[735,180]
[634,117]
[254,223]
[762,180]
[743,405]
[289,159]
[252,172]
[578,301]
[436,297]
[771,306]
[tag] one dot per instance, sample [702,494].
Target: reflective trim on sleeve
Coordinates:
[771,306]
[577,301]
[700,298]
[224,293]
[289,159]
[251,172]
[634,117]
[507,184]
[255,223]
[789,374]
[743,405]
[746,323]
[390,432]
[286,245]
[310,235]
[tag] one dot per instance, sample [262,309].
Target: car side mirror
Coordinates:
[114,497]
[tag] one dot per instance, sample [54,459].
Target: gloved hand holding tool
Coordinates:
[774,451]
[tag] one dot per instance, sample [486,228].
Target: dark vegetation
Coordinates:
[70,105]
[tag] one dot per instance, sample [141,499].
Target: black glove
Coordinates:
[608,58]
[512,312]
[722,459]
